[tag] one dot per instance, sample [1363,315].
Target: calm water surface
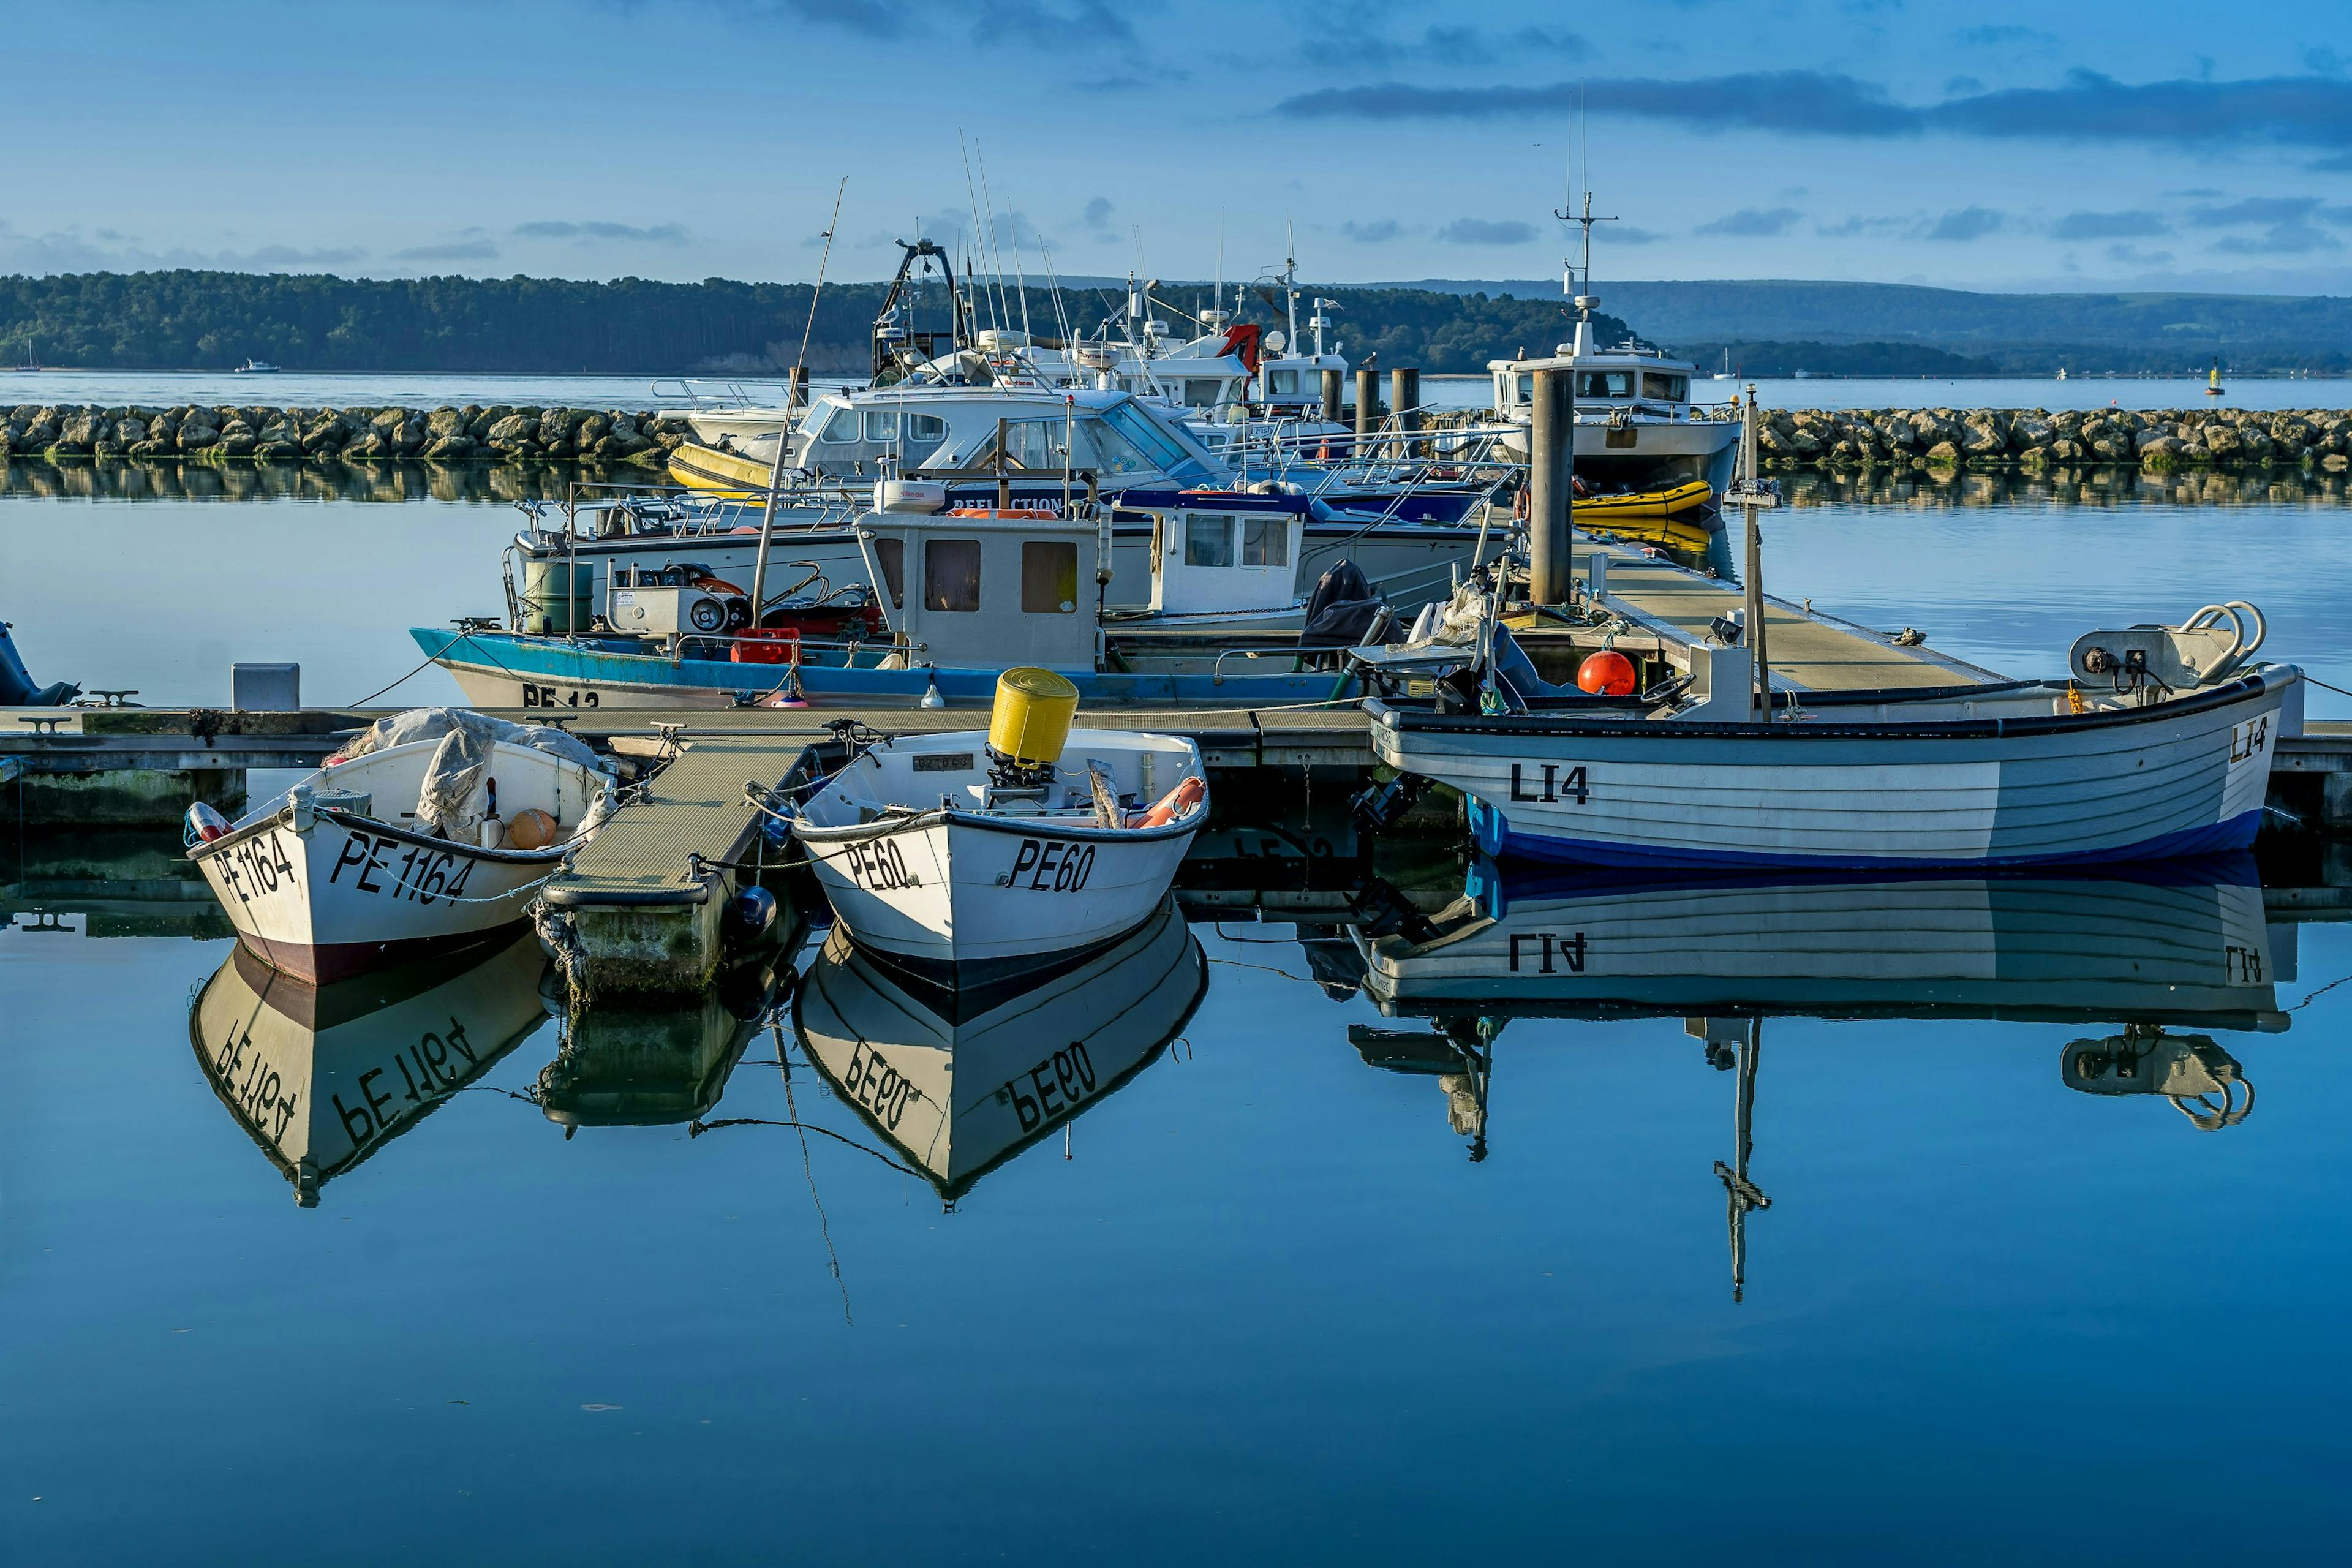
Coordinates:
[1316,1271]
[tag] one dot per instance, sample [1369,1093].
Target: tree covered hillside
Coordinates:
[195,321]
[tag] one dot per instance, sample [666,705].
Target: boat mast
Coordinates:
[1752,497]
[1290,282]
[1586,301]
[792,402]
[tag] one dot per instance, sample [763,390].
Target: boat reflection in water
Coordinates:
[957,1082]
[321,1077]
[645,1066]
[2179,944]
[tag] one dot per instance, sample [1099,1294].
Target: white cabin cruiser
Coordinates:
[1637,430]
[428,832]
[981,855]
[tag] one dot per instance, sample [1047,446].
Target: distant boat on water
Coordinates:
[255,367]
[2061,373]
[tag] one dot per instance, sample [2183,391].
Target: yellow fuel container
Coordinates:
[1030,720]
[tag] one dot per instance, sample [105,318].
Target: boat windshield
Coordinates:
[1166,452]
[1101,444]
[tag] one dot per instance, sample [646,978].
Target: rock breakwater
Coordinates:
[476,432]
[2159,440]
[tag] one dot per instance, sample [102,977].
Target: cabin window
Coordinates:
[1208,540]
[1282,383]
[1049,577]
[1604,383]
[1203,394]
[1673,388]
[926,428]
[882,424]
[951,574]
[843,426]
[891,555]
[1266,542]
[1528,387]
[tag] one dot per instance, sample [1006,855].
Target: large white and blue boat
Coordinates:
[965,593]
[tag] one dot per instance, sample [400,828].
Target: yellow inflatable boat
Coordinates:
[1676,518]
[1680,501]
[729,475]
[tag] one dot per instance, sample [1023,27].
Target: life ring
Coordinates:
[1182,798]
[1519,505]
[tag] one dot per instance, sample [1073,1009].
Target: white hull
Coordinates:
[2008,787]
[324,891]
[978,891]
[977,895]
[351,894]
[741,425]
[1705,446]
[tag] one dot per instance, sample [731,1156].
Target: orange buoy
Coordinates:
[1182,798]
[530,829]
[1606,674]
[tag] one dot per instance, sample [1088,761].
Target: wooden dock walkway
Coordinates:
[1807,650]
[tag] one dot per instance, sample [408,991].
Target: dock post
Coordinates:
[1750,481]
[1404,400]
[1333,388]
[1367,411]
[1550,427]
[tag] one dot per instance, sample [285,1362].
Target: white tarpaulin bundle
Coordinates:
[449,800]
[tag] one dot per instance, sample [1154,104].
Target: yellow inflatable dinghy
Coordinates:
[1680,501]
[729,475]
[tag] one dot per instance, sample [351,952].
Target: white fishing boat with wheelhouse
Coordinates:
[430,832]
[1636,427]
[978,855]
[2156,743]
[966,593]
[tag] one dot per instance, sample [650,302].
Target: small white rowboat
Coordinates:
[422,847]
[926,859]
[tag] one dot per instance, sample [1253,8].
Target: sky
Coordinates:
[2149,145]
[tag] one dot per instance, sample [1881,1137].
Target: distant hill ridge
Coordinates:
[189,320]
[2136,331]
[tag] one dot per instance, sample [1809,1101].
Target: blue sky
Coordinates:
[1995,145]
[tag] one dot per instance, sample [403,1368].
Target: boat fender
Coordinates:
[530,829]
[1174,804]
[204,825]
[747,917]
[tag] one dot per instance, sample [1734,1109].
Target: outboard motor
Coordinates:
[16,688]
[1343,609]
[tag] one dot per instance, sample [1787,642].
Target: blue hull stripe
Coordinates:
[1493,833]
